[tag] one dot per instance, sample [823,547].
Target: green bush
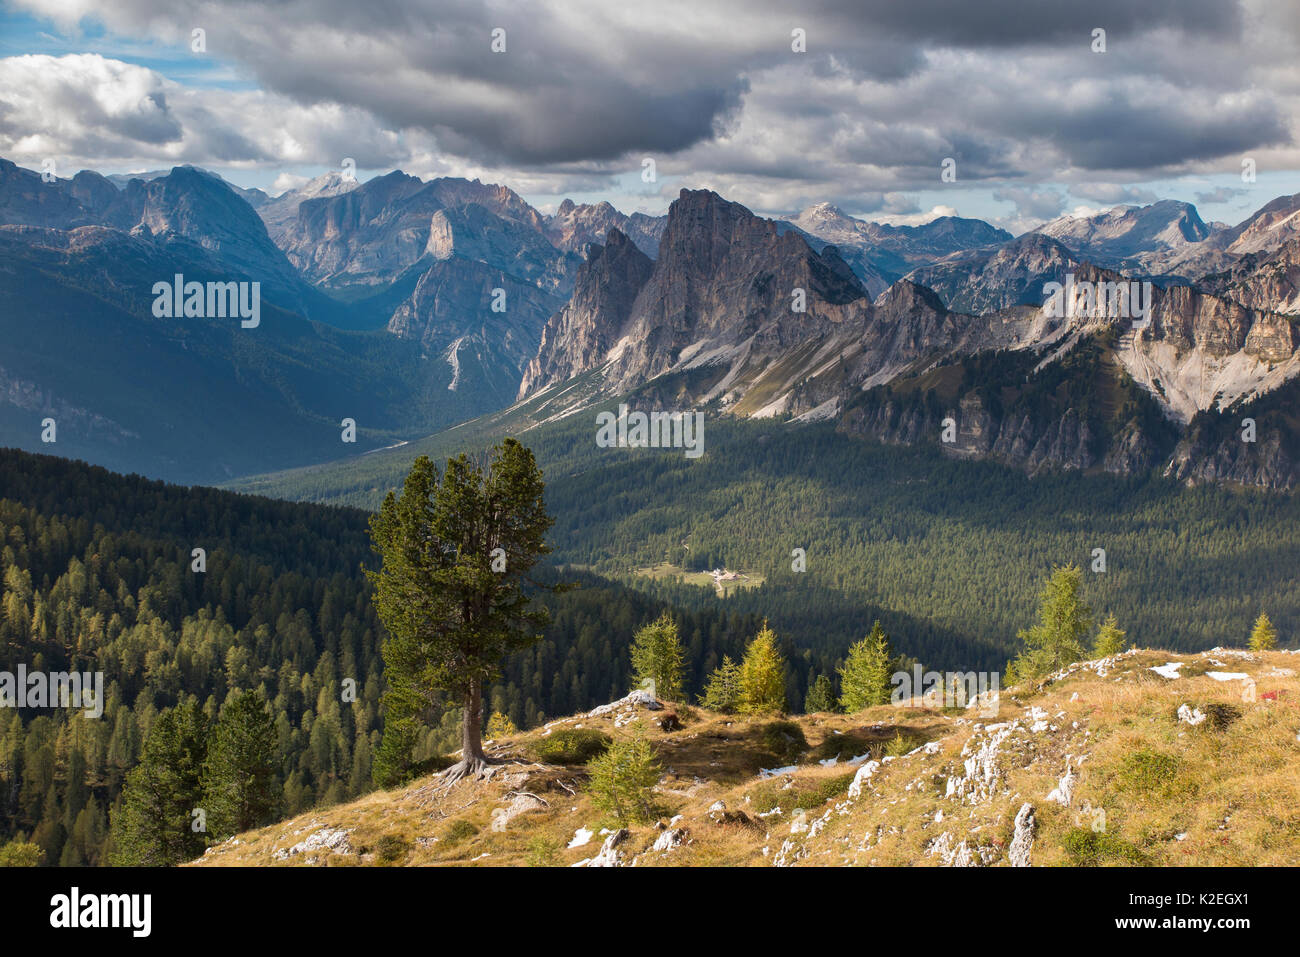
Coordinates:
[542,852]
[901,744]
[571,746]
[21,854]
[392,848]
[459,830]
[1089,848]
[1150,772]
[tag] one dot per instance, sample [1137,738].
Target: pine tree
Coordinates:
[1110,639]
[821,696]
[722,690]
[156,824]
[762,675]
[457,550]
[657,658]
[241,789]
[1063,621]
[1264,636]
[865,677]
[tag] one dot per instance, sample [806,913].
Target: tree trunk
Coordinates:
[472,725]
[473,762]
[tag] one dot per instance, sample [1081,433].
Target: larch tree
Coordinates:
[1063,622]
[722,690]
[762,675]
[457,550]
[1263,636]
[864,679]
[241,786]
[1110,639]
[657,658]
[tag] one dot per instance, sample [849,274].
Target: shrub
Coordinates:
[542,852]
[571,746]
[1089,848]
[459,830]
[901,744]
[722,689]
[1150,772]
[623,780]
[500,726]
[21,854]
[784,740]
[392,848]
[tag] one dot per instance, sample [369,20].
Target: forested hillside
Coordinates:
[97,576]
[947,552]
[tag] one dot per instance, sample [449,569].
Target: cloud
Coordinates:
[1221,194]
[713,91]
[1115,194]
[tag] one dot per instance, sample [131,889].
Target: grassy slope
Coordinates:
[1171,793]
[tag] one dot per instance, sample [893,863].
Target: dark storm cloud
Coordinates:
[887,88]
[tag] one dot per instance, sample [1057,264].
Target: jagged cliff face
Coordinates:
[725,292]
[574,226]
[1203,352]
[711,319]
[578,337]
[991,279]
[1262,280]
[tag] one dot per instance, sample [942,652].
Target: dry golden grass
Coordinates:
[1149,788]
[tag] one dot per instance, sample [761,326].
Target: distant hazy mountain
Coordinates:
[279,212]
[573,227]
[470,298]
[990,279]
[893,251]
[203,399]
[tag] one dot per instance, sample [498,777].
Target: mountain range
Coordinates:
[410,305]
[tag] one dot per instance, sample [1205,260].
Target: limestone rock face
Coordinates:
[577,337]
[1022,839]
[574,227]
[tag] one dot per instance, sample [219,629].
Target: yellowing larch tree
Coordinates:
[762,675]
[1110,639]
[1264,635]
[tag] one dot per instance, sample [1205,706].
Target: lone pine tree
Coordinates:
[456,551]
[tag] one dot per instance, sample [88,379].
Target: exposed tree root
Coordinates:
[468,769]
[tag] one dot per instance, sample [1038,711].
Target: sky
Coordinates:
[859,103]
